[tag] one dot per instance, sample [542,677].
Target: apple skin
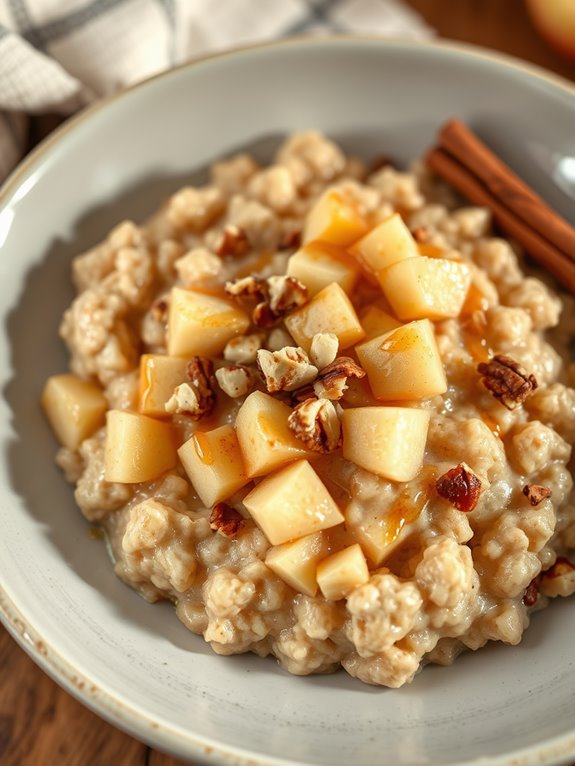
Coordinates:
[555,20]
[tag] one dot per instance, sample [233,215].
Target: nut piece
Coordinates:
[159,310]
[332,380]
[286,369]
[559,580]
[535,493]
[531,595]
[507,380]
[235,380]
[243,350]
[196,398]
[233,241]
[316,424]
[226,520]
[276,296]
[290,240]
[460,487]
[323,350]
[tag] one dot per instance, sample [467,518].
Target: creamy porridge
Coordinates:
[321,409]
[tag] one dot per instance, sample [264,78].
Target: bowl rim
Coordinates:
[73,680]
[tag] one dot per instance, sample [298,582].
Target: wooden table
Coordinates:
[40,724]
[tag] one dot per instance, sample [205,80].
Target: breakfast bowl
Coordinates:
[133,662]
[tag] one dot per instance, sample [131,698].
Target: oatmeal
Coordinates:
[320,408]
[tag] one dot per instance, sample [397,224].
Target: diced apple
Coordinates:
[296,562]
[342,572]
[318,264]
[389,242]
[376,321]
[214,464]
[380,528]
[422,287]
[74,408]
[159,376]
[202,324]
[404,364]
[265,439]
[328,311]
[138,448]
[291,503]
[388,441]
[334,218]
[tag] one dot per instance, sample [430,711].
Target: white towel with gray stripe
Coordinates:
[56,56]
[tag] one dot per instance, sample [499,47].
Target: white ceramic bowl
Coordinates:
[133,662]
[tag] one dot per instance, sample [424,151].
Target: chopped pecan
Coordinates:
[226,520]
[315,423]
[559,580]
[323,349]
[535,493]
[507,380]
[286,369]
[235,380]
[332,380]
[196,398]
[244,349]
[531,595]
[276,296]
[233,241]
[460,487]
[379,162]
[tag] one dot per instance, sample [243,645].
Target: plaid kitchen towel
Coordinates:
[58,55]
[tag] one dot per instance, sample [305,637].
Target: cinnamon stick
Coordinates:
[538,246]
[460,142]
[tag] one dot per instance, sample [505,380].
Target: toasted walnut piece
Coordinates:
[286,369]
[460,487]
[233,241]
[244,349]
[323,350]
[285,294]
[559,580]
[276,295]
[196,398]
[531,595]
[226,520]
[507,380]
[535,493]
[316,424]
[332,380]
[235,380]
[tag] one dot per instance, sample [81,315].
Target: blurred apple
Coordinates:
[555,20]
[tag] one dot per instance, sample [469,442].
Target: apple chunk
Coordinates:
[334,218]
[74,408]
[138,448]
[214,464]
[291,503]
[342,572]
[159,376]
[202,324]
[318,264]
[388,441]
[296,562]
[422,287]
[265,439]
[376,321]
[404,364]
[328,311]
[389,242]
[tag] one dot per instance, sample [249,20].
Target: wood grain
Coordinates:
[40,724]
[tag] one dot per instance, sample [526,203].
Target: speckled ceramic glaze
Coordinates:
[132,662]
